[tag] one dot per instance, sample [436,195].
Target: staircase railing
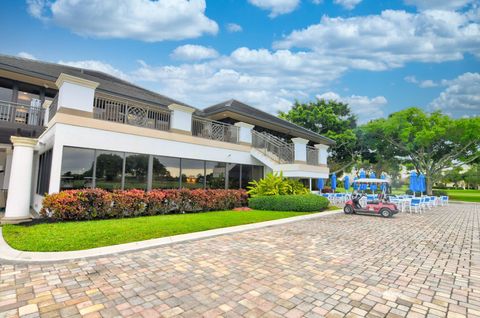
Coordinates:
[312,156]
[273,147]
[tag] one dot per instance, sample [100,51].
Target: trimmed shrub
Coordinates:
[439,193]
[299,203]
[88,204]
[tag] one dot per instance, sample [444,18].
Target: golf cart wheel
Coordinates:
[386,213]
[348,209]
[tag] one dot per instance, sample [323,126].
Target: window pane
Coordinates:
[192,173]
[166,173]
[6,94]
[250,173]
[44,169]
[109,170]
[233,176]
[257,172]
[136,171]
[215,175]
[77,168]
[30,99]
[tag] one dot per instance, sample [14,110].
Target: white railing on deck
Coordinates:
[131,113]
[215,130]
[21,114]
[273,147]
[312,156]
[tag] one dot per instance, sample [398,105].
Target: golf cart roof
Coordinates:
[370,180]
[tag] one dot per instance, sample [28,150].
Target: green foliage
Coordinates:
[275,184]
[432,142]
[299,203]
[332,119]
[439,192]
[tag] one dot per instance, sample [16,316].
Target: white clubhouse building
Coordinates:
[68,128]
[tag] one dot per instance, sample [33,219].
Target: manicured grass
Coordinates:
[464,195]
[69,236]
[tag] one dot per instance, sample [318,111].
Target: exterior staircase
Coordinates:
[271,150]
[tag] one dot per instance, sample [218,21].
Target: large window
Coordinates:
[109,168]
[77,168]
[44,169]
[193,174]
[136,171]
[215,173]
[166,173]
[250,173]
[233,171]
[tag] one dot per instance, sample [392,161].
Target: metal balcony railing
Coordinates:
[273,147]
[52,109]
[312,156]
[21,114]
[131,113]
[214,130]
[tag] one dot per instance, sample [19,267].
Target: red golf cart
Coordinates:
[379,206]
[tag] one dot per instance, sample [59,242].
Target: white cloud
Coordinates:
[391,39]
[438,4]
[348,4]
[233,27]
[461,96]
[364,107]
[144,20]
[276,7]
[421,83]
[97,66]
[190,52]
[27,55]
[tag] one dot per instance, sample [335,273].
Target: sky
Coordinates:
[377,56]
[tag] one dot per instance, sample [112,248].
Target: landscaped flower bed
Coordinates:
[88,204]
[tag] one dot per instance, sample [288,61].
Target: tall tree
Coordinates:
[432,142]
[332,119]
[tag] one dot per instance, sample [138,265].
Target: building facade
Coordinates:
[68,128]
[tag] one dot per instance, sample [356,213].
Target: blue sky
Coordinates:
[379,56]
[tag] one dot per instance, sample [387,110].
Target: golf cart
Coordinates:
[380,206]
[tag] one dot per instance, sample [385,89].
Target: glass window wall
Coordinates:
[215,175]
[166,173]
[109,168]
[193,174]
[77,168]
[136,171]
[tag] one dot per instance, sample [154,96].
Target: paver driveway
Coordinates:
[410,265]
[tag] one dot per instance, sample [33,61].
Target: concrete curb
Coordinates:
[10,254]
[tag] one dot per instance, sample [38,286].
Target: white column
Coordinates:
[7,168]
[245,133]
[75,93]
[300,150]
[18,201]
[181,119]
[310,184]
[46,114]
[323,153]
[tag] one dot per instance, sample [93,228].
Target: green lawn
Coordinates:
[69,236]
[464,195]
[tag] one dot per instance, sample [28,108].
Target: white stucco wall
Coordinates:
[75,96]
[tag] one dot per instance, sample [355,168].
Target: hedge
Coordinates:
[89,204]
[299,203]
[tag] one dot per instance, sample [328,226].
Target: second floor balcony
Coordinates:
[21,115]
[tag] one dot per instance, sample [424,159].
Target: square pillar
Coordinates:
[181,119]
[245,133]
[322,153]
[300,150]
[20,184]
[75,95]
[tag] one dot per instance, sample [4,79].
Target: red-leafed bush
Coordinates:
[90,204]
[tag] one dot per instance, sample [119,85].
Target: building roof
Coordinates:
[244,110]
[108,84]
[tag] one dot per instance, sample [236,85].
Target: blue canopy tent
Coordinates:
[413,182]
[346,183]
[334,182]
[373,186]
[363,175]
[384,185]
[320,184]
[421,183]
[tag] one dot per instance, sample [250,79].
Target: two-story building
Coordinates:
[63,127]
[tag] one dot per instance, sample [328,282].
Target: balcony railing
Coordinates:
[21,114]
[52,109]
[312,156]
[130,113]
[215,130]
[273,147]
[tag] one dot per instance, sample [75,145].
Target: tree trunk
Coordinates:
[429,183]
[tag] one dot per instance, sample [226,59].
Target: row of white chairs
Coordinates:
[419,204]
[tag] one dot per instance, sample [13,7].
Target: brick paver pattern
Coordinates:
[340,265]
